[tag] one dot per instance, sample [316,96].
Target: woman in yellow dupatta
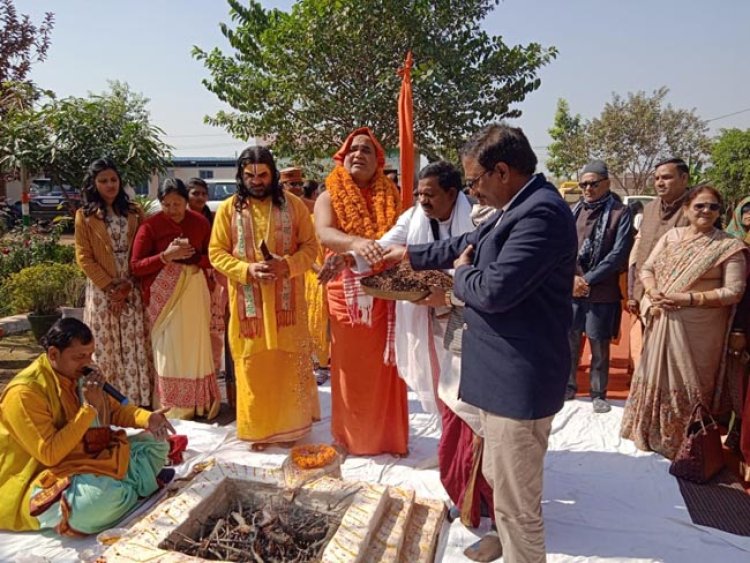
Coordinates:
[170,257]
[693,278]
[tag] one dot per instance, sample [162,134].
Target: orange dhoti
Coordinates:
[370,412]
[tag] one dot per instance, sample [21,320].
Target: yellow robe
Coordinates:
[317,317]
[277,398]
[42,424]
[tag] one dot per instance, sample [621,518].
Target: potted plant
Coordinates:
[74,297]
[40,291]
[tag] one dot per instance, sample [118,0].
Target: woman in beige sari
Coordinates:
[693,278]
[170,257]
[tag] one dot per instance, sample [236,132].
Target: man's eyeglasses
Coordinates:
[469,183]
[593,185]
[295,184]
[706,206]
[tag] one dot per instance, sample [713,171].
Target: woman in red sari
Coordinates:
[170,257]
[197,198]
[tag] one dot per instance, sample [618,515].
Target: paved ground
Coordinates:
[16,352]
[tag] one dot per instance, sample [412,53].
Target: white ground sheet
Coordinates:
[603,499]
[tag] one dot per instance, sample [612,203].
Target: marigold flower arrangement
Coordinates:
[313,456]
[352,211]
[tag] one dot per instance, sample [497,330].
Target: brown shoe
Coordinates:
[488,548]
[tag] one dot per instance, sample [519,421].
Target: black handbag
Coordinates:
[700,455]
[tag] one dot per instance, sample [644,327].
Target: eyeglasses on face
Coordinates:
[593,185]
[469,183]
[295,184]
[706,206]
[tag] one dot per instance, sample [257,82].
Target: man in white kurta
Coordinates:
[442,211]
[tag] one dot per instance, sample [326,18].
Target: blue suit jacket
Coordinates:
[518,293]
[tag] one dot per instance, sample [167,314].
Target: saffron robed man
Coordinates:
[515,275]
[263,242]
[61,466]
[369,410]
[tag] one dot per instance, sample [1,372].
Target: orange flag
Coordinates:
[406,133]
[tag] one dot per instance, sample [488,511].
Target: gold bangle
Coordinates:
[448,302]
[162,258]
[701,297]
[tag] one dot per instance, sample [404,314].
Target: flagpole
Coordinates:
[406,133]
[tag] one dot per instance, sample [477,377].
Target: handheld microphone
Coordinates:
[108,389]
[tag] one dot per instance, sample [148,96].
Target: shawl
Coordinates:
[282,242]
[680,265]
[412,329]
[657,220]
[735,227]
[590,252]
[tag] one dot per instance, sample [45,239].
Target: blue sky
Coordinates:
[698,49]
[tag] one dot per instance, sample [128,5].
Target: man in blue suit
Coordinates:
[515,274]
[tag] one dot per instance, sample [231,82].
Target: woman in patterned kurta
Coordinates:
[104,231]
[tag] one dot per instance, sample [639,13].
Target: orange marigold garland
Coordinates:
[313,456]
[351,208]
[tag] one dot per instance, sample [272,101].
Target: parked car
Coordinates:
[570,192]
[218,191]
[48,202]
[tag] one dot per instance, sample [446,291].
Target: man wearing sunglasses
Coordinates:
[291,180]
[604,227]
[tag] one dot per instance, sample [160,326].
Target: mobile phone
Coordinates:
[264,251]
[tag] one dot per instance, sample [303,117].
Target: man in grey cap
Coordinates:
[604,226]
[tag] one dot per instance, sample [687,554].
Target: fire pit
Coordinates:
[241,513]
[260,524]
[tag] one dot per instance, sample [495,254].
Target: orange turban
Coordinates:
[344,150]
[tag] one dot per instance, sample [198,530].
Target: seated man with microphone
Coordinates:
[61,464]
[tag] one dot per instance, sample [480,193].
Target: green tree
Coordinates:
[304,79]
[631,135]
[115,124]
[21,42]
[730,172]
[61,138]
[567,151]
[634,133]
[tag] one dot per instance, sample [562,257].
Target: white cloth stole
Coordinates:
[413,321]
